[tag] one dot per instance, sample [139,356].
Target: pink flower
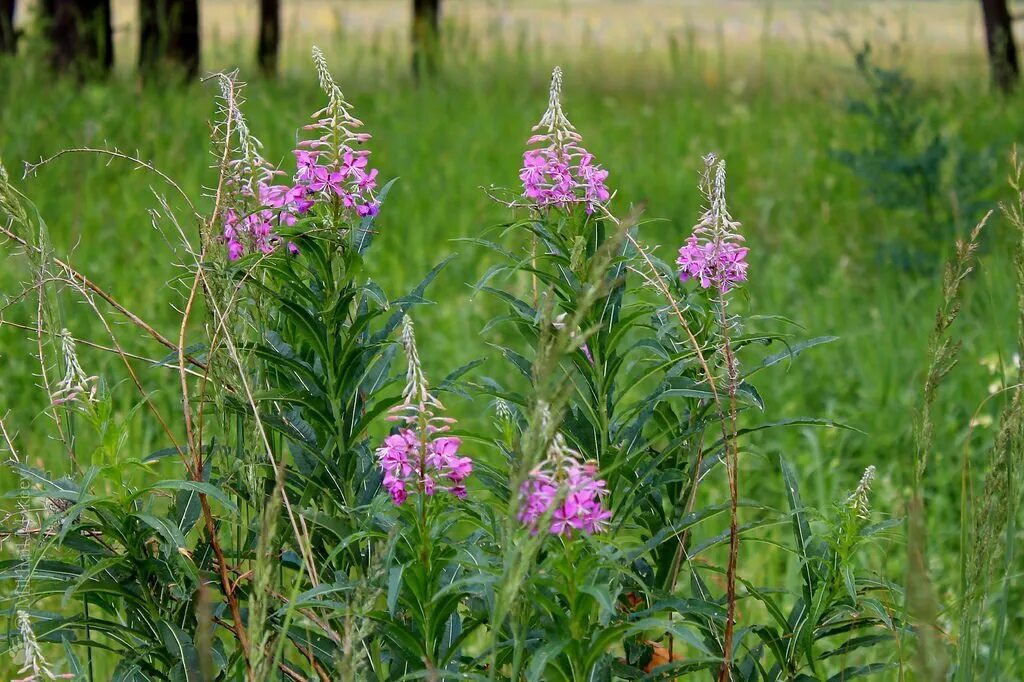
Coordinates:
[347,178]
[305,161]
[230,224]
[297,199]
[396,488]
[534,167]
[444,457]
[420,456]
[327,169]
[561,173]
[367,181]
[353,164]
[402,455]
[567,490]
[273,196]
[336,181]
[444,448]
[712,254]
[320,176]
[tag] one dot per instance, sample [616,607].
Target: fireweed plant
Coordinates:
[318,513]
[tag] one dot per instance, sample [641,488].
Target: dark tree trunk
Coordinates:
[1002,50]
[269,37]
[79,34]
[426,33]
[150,42]
[8,41]
[169,36]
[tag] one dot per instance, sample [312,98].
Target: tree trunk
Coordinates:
[169,36]
[269,37]
[8,41]
[80,35]
[1002,50]
[426,32]
[150,42]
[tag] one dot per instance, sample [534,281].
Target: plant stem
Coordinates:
[731,467]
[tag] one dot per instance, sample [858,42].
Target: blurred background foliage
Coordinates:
[862,137]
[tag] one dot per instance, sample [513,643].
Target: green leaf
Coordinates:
[312,598]
[394,587]
[711,462]
[857,643]
[801,528]
[129,671]
[790,352]
[859,671]
[162,453]
[603,596]
[322,647]
[748,393]
[172,357]
[448,383]
[402,305]
[179,646]
[685,387]
[164,527]
[61,489]
[201,487]
[540,657]
[364,234]
[524,310]
[403,639]
[87,574]
[305,325]
[73,663]
[518,361]
[187,509]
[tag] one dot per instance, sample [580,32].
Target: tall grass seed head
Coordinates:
[31,654]
[858,500]
[75,385]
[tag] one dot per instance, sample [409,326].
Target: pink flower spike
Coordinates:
[712,253]
[416,456]
[561,173]
[573,485]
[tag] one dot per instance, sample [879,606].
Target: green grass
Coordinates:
[817,242]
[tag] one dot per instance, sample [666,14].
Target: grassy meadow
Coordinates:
[770,93]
